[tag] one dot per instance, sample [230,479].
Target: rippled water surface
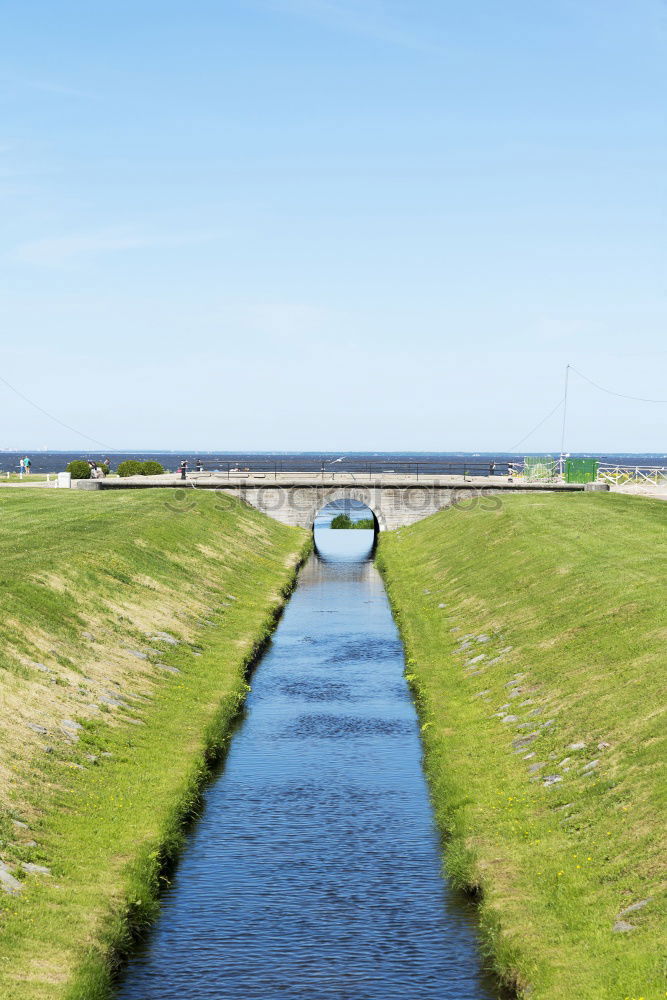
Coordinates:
[314,871]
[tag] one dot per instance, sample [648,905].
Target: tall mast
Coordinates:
[562,437]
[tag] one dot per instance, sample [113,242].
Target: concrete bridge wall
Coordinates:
[393,507]
[396,501]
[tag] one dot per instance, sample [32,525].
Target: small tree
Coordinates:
[341,521]
[79,469]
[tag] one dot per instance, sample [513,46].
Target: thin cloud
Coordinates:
[64,251]
[373,19]
[47,87]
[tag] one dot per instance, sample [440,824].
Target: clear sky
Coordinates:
[333,224]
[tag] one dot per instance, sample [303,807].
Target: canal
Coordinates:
[314,870]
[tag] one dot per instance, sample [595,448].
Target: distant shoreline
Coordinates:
[450,462]
[330,454]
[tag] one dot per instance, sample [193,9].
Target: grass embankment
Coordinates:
[108,728]
[535,637]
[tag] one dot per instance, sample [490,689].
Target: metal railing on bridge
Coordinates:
[361,468]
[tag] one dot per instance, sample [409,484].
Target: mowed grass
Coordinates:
[108,729]
[544,742]
[14,477]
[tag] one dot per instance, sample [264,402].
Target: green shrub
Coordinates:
[130,467]
[79,469]
[345,521]
[151,468]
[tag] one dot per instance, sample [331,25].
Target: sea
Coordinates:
[441,463]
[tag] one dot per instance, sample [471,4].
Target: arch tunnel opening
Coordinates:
[345,526]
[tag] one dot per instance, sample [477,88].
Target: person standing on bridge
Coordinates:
[183,467]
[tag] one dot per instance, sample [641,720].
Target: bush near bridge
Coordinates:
[120,678]
[132,467]
[151,468]
[79,469]
[535,643]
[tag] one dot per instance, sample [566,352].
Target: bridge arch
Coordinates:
[327,496]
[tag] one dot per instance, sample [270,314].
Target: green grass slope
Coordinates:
[127,621]
[535,635]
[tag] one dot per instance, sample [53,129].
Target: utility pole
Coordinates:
[562,437]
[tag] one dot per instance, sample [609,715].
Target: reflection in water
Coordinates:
[314,871]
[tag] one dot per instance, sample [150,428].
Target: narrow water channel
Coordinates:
[314,871]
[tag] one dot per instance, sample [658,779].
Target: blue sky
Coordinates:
[333,224]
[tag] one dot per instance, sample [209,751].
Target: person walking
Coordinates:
[26,465]
[492,467]
[21,467]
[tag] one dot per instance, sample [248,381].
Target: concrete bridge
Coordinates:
[395,500]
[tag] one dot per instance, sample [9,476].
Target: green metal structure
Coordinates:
[581,470]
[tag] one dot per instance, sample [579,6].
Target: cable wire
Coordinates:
[51,416]
[610,392]
[537,426]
